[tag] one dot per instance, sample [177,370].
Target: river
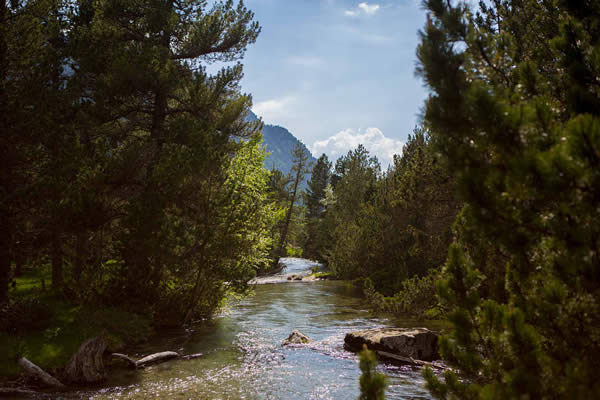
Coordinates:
[243,357]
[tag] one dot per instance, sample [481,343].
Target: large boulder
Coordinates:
[296,337]
[411,343]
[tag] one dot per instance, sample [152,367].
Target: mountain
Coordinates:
[279,142]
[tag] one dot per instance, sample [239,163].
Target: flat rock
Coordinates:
[410,343]
[296,337]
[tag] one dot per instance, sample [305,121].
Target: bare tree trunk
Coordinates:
[5,239]
[80,252]
[5,230]
[20,259]
[57,261]
[288,218]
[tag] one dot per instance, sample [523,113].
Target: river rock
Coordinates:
[412,343]
[296,337]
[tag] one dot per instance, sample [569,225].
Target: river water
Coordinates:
[243,357]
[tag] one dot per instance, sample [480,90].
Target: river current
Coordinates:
[243,357]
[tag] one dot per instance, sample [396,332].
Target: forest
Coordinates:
[134,195]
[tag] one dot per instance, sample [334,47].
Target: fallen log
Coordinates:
[192,356]
[14,392]
[153,358]
[131,361]
[156,358]
[86,365]
[39,374]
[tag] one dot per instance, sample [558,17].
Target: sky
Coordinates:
[337,73]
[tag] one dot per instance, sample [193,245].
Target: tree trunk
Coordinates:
[57,261]
[288,218]
[80,252]
[5,239]
[39,374]
[86,366]
[19,261]
[5,236]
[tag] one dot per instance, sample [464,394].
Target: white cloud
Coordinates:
[372,138]
[306,61]
[362,8]
[369,8]
[275,109]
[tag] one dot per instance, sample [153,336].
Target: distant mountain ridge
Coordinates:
[279,142]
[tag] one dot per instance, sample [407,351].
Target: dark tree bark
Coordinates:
[86,365]
[5,230]
[57,261]
[80,252]
[5,239]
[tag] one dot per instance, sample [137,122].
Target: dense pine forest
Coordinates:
[135,196]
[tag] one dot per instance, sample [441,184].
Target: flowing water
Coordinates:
[243,357]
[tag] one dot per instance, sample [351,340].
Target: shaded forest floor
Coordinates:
[47,328]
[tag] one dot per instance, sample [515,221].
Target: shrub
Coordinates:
[22,315]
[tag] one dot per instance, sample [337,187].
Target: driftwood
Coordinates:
[39,374]
[409,360]
[131,361]
[152,358]
[156,358]
[192,356]
[86,365]
[19,392]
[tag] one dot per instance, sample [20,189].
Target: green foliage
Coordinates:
[132,170]
[417,297]
[317,232]
[372,383]
[300,167]
[354,182]
[515,112]
[393,229]
[293,251]
[69,325]
[22,315]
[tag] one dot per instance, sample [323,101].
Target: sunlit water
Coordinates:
[243,357]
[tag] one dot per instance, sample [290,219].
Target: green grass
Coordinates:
[69,325]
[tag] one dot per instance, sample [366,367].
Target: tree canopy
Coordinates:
[514,111]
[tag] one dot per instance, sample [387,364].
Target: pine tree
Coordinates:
[372,383]
[515,111]
[300,167]
[356,180]
[164,135]
[315,209]
[315,193]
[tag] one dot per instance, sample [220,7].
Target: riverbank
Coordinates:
[242,356]
[47,328]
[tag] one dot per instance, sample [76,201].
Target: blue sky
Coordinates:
[337,73]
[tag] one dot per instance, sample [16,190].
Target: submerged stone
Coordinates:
[296,337]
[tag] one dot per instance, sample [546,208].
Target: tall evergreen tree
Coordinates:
[515,110]
[299,169]
[356,174]
[316,231]
[315,193]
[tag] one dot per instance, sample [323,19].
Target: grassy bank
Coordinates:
[48,329]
